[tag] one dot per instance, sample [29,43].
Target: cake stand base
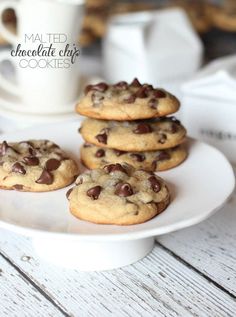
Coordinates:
[91,255]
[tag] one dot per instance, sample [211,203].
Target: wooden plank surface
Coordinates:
[18,298]
[159,285]
[210,246]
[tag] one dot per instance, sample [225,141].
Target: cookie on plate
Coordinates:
[118,194]
[35,166]
[124,101]
[145,135]
[94,157]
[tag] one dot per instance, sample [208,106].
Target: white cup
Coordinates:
[45,84]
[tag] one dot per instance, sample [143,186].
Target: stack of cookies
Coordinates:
[128,123]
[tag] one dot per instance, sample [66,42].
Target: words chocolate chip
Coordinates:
[31,160]
[45,178]
[159,93]
[142,128]
[18,168]
[100,153]
[94,192]
[114,168]
[124,190]
[52,164]
[68,192]
[155,184]
[135,83]
[138,157]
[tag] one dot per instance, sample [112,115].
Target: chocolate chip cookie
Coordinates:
[94,157]
[145,135]
[118,194]
[124,101]
[35,165]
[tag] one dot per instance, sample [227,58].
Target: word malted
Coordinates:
[46,54]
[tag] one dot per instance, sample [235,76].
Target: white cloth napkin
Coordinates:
[209,105]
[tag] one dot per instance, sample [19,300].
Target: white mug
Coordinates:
[47,33]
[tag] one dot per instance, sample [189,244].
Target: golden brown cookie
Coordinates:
[118,194]
[144,135]
[224,17]
[35,166]
[95,157]
[124,101]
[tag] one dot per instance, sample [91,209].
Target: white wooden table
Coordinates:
[189,273]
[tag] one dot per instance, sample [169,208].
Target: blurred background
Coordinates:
[185,46]
[213,20]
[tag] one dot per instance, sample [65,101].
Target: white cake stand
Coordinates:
[199,187]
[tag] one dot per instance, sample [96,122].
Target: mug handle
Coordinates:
[6,84]
[4,5]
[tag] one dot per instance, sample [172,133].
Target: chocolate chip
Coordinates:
[31,160]
[32,151]
[130,99]
[142,128]
[102,136]
[138,157]
[52,164]
[99,87]
[173,119]
[159,93]
[155,184]
[174,128]
[100,153]
[3,148]
[121,84]
[87,89]
[96,98]
[94,192]
[18,168]
[142,92]
[18,187]
[154,165]
[114,168]
[162,156]
[79,129]
[135,83]
[45,178]
[68,192]
[148,87]
[119,153]
[87,145]
[124,190]
[162,139]
[153,103]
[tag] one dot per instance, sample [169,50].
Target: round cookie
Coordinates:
[35,166]
[94,157]
[118,194]
[145,135]
[124,101]
[223,17]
